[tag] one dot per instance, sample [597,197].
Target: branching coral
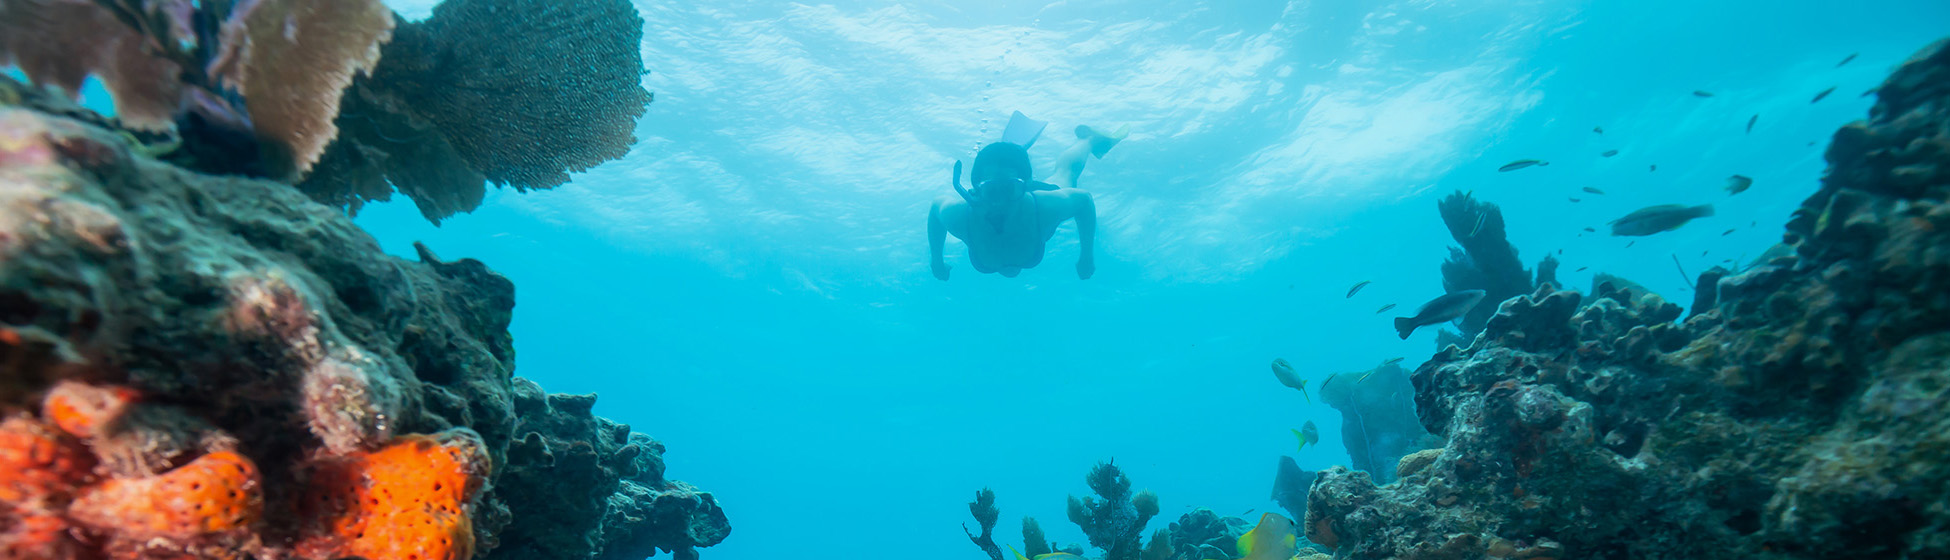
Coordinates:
[1114,519]
[517,93]
[1485,261]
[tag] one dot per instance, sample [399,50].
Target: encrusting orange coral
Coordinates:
[83,410]
[405,501]
[215,493]
[39,467]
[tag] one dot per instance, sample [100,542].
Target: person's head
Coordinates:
[1000,177]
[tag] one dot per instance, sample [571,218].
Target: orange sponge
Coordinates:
[39,467]
[408,500]
[216,493]
[37,536]
[85,410]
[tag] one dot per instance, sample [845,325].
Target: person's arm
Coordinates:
[1086,214]
[937,235]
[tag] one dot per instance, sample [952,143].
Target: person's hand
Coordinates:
[1085,268]
[940,270]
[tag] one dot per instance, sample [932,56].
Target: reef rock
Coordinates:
[173,338]
[1803,415]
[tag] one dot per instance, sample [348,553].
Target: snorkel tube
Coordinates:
[965,195]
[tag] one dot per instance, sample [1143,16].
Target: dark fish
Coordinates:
[1575,199]
[1703,253]
[1824,93]
[1629,244]
[1393,361]
[1751,121]
[1738,184]
[1726,233]
[1872,91]
[1609,153]
[1582,269]
[1851,56]
[1384,309]
[1598,129]
[1522,163]
[1658,219]
[1589,230]
[1593,190]
[1357,287]
[1655,167]
[1439,310]
[1560,251]
[1699,93]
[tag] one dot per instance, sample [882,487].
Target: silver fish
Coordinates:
[1609,153]
[1593,190]
[1357,287]
[1824,93]
[1851,56]
[1384,309]
[1701,93]
[1738,184]
[1658,219]
[1522,163]
[1751,121]
[1439,310]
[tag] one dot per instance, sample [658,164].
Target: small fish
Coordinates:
[1284,372]
[1560,251]
[1851,56]
[1522,163]
[1589,230]
[1393,361]
[1655,167]
[1050,556]
[1872,91]
[1384,309]
[1738,184]
[1609,153]
[1272,539]
[1726,233]
[1357,287]
[1582,269]
[1703,253]
[1598,129]
[1307,434]
[1575,199]
[1593,190]
[1363,377]
[1824,93]
[1629,244]
[1658,219]
[1439,310]
[1249,511]
[1751,121]
[1479,223]
[1701,93]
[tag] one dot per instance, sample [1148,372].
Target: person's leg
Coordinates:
[1090,143]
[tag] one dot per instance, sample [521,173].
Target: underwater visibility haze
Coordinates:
[749,281]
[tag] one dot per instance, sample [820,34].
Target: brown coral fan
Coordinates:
[61,42]
[291,59]
[1803,416]
[513,92]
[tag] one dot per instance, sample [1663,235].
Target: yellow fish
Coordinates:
[1284,372]
[1050,556]
[1271,540]
[1308,435]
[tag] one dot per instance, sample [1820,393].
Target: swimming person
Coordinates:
[1008,217]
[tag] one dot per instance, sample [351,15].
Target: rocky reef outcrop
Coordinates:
[1803,415]
[217,367]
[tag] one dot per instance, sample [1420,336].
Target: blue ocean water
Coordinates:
[750,284]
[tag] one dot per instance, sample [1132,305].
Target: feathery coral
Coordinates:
[409,500]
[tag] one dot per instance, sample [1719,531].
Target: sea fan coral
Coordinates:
[292,86]
[514,92]
[61,42]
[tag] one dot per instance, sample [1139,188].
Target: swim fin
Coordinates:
[1023,131]
[1101,143]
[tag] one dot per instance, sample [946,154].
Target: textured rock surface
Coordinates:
[243,317]
[1804,416]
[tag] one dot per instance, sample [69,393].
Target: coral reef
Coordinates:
[1034,542]
[1201,534]
[1378,422]
[1803,415]
[1114,519]
[1484,261]
[512,92]
[203,367]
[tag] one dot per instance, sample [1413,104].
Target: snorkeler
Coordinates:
[1008,217]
